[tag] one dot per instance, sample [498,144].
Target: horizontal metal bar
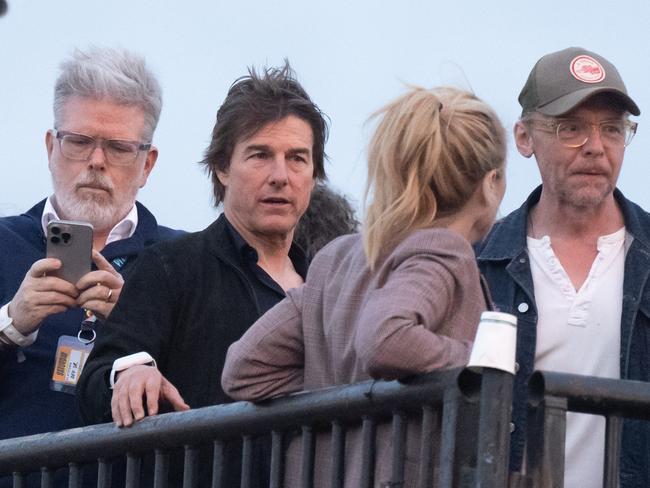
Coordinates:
[589,394]
[346,403]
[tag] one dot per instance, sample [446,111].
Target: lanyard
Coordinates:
[87,333]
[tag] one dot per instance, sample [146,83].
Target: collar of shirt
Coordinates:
[124,229]
[249,254]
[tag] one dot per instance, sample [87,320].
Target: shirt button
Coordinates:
[512,427]
[523,307]
[516,367]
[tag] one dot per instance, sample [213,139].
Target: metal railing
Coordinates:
[463,416]
[464,420]
[552,395]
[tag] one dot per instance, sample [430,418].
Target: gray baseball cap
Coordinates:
[562,80]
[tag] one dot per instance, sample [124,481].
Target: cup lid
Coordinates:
[499,317]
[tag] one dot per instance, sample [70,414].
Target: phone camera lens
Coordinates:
[56,231]
[66,237]
[55,240]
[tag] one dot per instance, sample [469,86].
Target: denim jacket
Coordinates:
[503,260]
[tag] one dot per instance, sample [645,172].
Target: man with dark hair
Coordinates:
[189,300]
[328,216]
[251,103]
[573,262]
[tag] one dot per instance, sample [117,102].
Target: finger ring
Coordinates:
[110,294]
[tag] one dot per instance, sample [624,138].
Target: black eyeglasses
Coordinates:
[79,147]
[576,132]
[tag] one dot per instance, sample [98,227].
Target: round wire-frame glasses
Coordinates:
[576,132]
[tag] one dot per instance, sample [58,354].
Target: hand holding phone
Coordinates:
[100,289]
[39,295]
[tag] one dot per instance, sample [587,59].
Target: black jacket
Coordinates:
[185,302]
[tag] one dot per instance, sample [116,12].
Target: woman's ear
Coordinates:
[493,187]
[490,186]
[523,139]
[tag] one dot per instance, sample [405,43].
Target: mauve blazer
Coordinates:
[415,312]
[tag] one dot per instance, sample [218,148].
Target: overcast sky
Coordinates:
[351,56]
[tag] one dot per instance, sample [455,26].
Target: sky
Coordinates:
[352,57]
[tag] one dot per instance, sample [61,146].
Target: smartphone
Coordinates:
[71,242]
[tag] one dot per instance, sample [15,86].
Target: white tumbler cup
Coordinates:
[495,344]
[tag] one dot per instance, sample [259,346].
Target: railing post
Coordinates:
[191,467]
[545,441]
[399,449]
[19,480]
[458,438]
[74,475]
[307,457]
[612,451]
[427,432]
[494,429]
[161,469]
[338,455]
[368,429]
[133,465]
[277,459]
[218,464]
[483,431]
[104,473]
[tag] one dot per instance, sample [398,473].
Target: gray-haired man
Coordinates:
[106,107]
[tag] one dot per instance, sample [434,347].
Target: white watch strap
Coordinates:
[8,330]
[125,362]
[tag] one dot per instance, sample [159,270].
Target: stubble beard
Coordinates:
[587,196]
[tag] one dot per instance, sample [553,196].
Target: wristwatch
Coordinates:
[125,362]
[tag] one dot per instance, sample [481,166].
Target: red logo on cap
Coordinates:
[587,69]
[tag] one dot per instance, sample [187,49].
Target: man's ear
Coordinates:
[149,163]
[223,177]
[523,139]
[49,143]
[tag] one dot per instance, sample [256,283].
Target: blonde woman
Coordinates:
[403,297]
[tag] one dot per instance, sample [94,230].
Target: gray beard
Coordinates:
[101,213]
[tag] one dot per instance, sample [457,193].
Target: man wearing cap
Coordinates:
[573,262]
